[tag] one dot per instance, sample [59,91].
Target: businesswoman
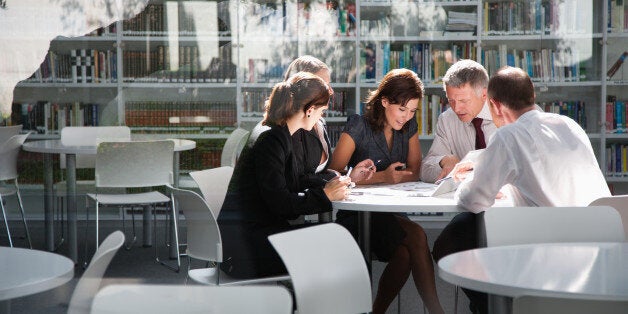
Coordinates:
[387,133]
[266,189]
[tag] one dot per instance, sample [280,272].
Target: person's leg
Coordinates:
[392,280]
[421,264]
[462,234]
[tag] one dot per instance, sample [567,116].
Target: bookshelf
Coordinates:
[199,69]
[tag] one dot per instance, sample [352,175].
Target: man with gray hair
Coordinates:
[467,125]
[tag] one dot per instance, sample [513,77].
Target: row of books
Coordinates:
[261,70]
[616,115]
[617,160]
[175,65]
[430,64]
[46,117]
[180,117]
[573,109]
[80,66]
[545,65]
[253,103]
[537,17]
[185,18]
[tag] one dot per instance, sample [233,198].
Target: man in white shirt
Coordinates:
[465,85]
[546,158]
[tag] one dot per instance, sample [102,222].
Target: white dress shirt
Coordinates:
[453,137]
[546,158]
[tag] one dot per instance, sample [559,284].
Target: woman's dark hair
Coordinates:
[398,86]
[299,93]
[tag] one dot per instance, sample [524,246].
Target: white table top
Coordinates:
[135,298]
[394,198]
[594,271]
[56,147]
[24,272]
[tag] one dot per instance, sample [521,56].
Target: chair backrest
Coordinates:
[523,225]
[9,152]
[134,164]
[213,184]
[203,235]
[88,285]
[6,132]
[620,203]
[327,269]
[90,136]
[233,147]
[546,305]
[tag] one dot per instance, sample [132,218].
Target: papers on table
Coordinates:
[407,189]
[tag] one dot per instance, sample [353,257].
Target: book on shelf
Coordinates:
[613,69]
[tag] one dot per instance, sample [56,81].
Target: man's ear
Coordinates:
[498,107]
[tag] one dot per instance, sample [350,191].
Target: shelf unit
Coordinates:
[227,55]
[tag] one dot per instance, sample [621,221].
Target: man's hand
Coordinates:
[447,164]
[462,170]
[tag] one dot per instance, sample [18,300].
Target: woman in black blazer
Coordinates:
[267,188]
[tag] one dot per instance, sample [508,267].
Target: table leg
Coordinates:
[364,234]
[70,161]
[147,226]
[499,304]
[325,217]
[49,203]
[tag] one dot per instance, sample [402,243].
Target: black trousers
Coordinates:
[463,233]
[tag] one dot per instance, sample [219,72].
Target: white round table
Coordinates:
[25,272]
[592,271]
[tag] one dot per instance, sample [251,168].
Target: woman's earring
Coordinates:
[308,115]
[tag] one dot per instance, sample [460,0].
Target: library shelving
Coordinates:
[199,69]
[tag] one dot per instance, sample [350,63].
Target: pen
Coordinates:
[349,172]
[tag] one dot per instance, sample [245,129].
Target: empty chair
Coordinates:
[233,147]
[620,203]
[136,164]
[156,299]
[89,283]
[524,225]
[327,269]
[85,136]
[548,305]
[6,132]
[205,243]
[9,152]
[213,184]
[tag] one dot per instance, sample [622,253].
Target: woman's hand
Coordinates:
[392,175]
[338,188]
[364,170]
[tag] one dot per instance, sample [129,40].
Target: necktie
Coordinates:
[479,135]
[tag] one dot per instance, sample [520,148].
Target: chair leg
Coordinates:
[132,242]
[6,222]
[176,238]
[21,206]
[60,218]
[456,290]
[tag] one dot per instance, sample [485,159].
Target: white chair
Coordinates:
[89,283]
[620,203]
[156,299]
[547,305]
[6,132]
[327,268]
[84,136]
[524,225]
[233,147]
[213,184]
[135,164]
[205,243]
[9,152]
